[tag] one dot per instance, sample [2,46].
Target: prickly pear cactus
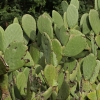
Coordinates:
[94,21]
[14,55]
[72,16]
[47,47]
[75,3]
[50,74]
[13,33]
[57,19]
[29,26]
[44,24]
[75,45]
[64,5]
[57,60]
[57,48]
[84,23]
[89,65]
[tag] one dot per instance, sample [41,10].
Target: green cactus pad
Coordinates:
[25,39]
[57,48]
[94,21]
[75,45]
[98,91]
[74,73]
[84,23]
[15,20]
[13,33]
[46,14]
[89,65]
[95,73]
[86,85]
[29,26]
[62,35]
[92,95]
[60,79]
[47,47]
[72,15]
[72,63]
[35,53]
[57,19]
[45,25]
[14,55]
[47,93]
[64,5]
[97,39]
[65,20]
[50,74]
[64,91]
[75,32]
[75,3]
[54,60]
[21,83]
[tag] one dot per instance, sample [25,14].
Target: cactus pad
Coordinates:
[44,24]
[50,74]
[14,55]
[75,45]
[72,16]
[29,26]
[89,64]
[94,21]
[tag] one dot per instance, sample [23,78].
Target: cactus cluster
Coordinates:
[61,61]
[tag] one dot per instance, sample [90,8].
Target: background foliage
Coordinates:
[16,8]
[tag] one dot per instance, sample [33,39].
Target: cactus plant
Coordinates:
[94,21]
[50,74]
[64,5]
[72,16]
[29,26]
[13,57]
[60,62]
[57,19]
[89,62]
[45,25]
[12,33]
[75,3]
[84,23]
[75,45]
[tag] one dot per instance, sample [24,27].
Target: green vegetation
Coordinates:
[50,56]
